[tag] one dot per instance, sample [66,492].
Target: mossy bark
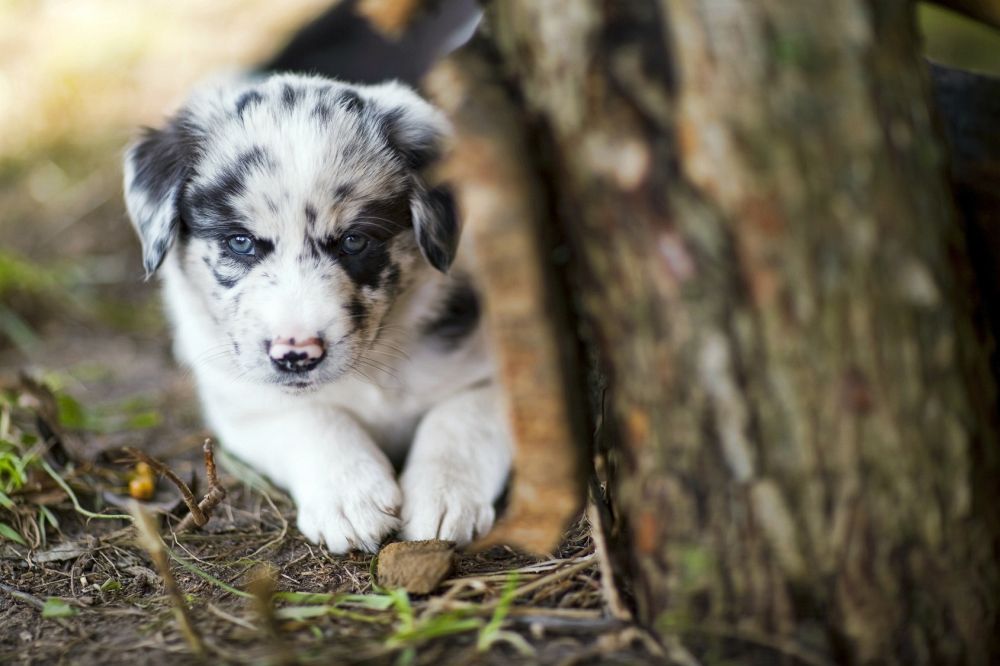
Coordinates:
[768,258]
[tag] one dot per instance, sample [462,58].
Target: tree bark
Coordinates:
[766,253]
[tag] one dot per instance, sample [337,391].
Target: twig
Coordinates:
[149,539]
[216,493]
[162,469]
[201,511]
[583,563]
[597,514]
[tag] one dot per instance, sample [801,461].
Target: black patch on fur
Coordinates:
[365,269]
[384,219]
[321,112]
[263,247]
[227,281]
[162,157]
[290,96]
[246,99]
[229,268]
[161,163]
[417,148]
[457,318]
[255,158]
[350,101]
[343,191]
[208,209]
[312,249]
[224,280]
[380,221]
[310,213]
[158,249]
[358,311]
[438,235]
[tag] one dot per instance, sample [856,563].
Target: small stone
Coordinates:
[416,566]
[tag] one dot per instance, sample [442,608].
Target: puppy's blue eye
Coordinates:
[241,244]
[353,243]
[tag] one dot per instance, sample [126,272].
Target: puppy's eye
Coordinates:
[353,243]
[241,244]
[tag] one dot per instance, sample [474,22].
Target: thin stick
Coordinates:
[596,514]
[199,512]
[583,563]
[216,493]
[161,469]
[149,539]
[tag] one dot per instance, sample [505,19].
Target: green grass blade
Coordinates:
[8,532]
[76,503]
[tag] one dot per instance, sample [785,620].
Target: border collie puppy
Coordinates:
[311,278]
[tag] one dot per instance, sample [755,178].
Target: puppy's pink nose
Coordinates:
[296,355]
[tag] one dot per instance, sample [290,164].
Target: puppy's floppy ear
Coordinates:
[436,226]
[156,168]
[418,131]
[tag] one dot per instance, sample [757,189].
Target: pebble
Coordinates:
[416,566]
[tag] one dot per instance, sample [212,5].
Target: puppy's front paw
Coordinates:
[442,507]
[353,508]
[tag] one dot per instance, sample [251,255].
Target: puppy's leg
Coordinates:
[456,468]
[342,483]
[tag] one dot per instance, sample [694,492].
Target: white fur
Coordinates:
[380,389]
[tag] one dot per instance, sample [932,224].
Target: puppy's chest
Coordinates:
[391,404]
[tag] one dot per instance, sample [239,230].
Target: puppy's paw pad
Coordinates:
[350,514]
[449,513]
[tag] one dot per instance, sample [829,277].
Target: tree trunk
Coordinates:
[766,253]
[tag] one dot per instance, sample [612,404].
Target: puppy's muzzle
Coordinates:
[296,355]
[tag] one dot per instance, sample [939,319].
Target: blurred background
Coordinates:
[77,77]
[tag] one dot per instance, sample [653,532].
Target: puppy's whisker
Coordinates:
[392,345]
[389,354]
[389,225]
[362,375]
[377,366]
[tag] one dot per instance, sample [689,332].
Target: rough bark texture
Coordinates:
[768,257]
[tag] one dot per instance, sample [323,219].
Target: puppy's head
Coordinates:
[295,209]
